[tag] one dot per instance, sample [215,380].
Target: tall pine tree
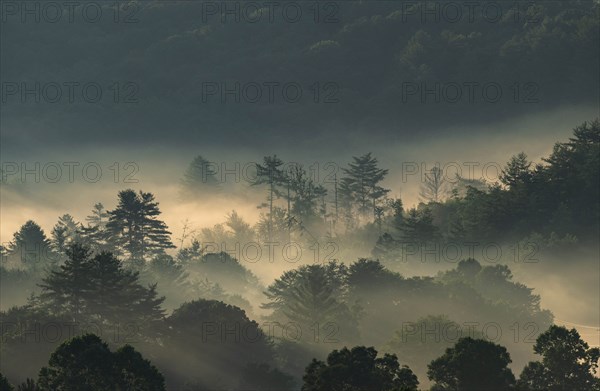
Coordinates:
[270,173]
[362,183]
[134,227]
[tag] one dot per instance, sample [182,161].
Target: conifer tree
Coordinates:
[134,226]
[271,174]
[362,183]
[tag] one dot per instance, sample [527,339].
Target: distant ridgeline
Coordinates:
[380,66]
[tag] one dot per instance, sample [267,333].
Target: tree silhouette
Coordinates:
[305,199]
[558,197]
[86,363]
[99,289]
[200,176]
[59,238]
[242,232]
[418,226]
[66,232]
[358,369]
[314,296]
[362,183]
[472,365]
[30,248]
[216,340]
[271,174]
[517,171]
[4,384]
[433,187]
[568,363]
[275,226]
[398,213]
[134,226]
[28,385]
[95,234]
[417,344]
[225,270]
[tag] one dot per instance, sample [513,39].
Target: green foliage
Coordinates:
[241,231]
[365,273]
[87,363]
[358,369]
[216,340]
[472,365]
[28,385]
[24,349]
[134,226]
[31,249]
[397,213]
[271,174]
[557,197]
[4,384]
[568,363]
[495,284]
[362,184]
[312,295]
[427,338]
[95,234]
[99,289]
[276,225]
[304,196]
[517,171]
[418,227]
[170,277]
[65,233]
[225,270]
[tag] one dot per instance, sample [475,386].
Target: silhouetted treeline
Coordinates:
[199,318]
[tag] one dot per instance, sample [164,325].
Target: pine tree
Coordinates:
[517,171]
[313,300]
[346,202]
[362,183]
[99,216]
[134,226]
[398,213]
[95,235]
[59,238]
[271,174]
[200,176]
[311,295]
[242,231]
[66,232]
[66,290]
[418,226]
[99,289]
[304,196]
[30,248]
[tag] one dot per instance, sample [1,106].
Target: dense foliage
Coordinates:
[200,314]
